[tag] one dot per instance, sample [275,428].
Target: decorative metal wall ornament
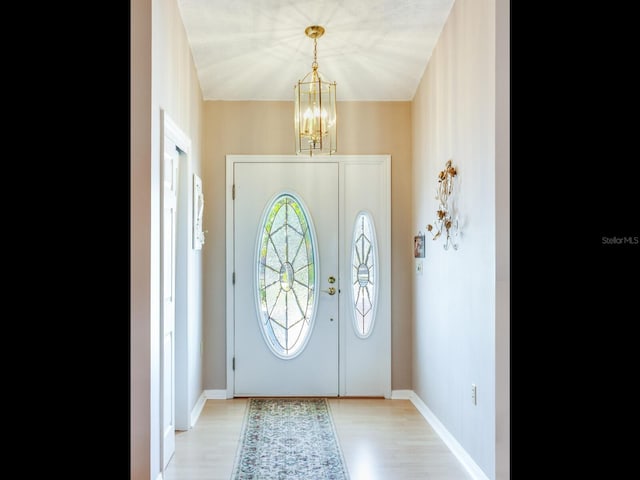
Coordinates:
[446,224]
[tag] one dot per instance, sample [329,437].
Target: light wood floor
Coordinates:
[380,439]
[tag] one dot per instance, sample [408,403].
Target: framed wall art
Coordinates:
[418,246]
[198,208]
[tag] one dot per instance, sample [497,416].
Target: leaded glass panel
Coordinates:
[364,265]
[286,283]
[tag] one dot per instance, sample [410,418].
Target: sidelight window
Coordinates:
[364,265]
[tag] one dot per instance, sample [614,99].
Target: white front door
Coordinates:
[285,237]
[169,207]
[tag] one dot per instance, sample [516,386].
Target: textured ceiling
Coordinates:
[257,49]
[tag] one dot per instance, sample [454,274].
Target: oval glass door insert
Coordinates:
[364,263]
[286,276]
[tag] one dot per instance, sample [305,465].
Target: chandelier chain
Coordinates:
[314,65]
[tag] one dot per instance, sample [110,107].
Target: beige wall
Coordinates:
[459,306]
[267,128]
[163,77]
[140,238]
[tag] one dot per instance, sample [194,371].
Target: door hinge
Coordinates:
[233,278]
[233,192]
[233,363]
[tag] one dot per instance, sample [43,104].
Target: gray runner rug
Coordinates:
[289,439]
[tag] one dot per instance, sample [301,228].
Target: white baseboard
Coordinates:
[215,394]
[450,441]
[401,394]
[197,409]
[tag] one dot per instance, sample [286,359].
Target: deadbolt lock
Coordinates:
[332,279]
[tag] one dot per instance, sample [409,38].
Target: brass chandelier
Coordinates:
[315,107]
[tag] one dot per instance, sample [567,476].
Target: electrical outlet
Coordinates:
[474,394]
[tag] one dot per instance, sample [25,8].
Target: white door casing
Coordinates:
[168,268]
[364,184]
[175,141]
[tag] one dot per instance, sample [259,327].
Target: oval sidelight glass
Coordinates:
[286,276]
[364,263]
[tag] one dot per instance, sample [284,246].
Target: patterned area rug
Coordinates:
[289,439]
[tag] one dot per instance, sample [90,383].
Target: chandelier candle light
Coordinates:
[315,107]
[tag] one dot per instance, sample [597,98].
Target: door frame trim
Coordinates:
[169,132]
[341,160]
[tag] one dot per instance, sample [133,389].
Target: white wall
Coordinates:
[163,77]
[454,341]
